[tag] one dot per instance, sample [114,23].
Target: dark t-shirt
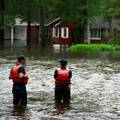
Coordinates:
[19,88]
[21,70]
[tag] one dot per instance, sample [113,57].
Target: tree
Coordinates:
[31,11]
[112,11]
[41,5]
[23,11]
[7,16]
[2,22]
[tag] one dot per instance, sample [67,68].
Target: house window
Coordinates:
[95,33]
[56,32]
[64,32]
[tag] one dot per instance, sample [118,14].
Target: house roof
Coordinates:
[105,24]
[57,24]
[19,22]
[53,22]
[47,22]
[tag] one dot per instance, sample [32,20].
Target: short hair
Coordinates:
[21,57]
[63,62]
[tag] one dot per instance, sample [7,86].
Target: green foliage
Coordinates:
[116,36]
[69,10]
[9,14]
[93,47]
[113,10]
[25,9]
[76,11]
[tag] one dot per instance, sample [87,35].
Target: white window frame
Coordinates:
[98,34]
[55,31]
[63,32]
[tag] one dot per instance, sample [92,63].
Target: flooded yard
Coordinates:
[95,87]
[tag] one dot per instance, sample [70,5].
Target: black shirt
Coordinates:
[21,70]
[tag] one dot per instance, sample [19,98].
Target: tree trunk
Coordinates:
[110,29]
[1,22]
[85,25]
[29,26]
[82,33]
[76,35]
[42,28]
[29,34]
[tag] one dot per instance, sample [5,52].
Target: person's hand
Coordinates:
[26,76]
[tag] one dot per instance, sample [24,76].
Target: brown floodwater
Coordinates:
[95,86]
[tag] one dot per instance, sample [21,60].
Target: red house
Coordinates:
[60,33]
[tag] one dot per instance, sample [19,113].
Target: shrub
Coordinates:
[94,47]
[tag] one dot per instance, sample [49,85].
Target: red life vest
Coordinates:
[14,75]
[63,77]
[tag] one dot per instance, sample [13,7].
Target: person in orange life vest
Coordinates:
[62,83]
[20,80]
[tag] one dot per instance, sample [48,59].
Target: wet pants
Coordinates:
[62,93]
[19,98]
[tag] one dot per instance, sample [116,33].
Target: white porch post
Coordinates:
[88,32]
[12,35]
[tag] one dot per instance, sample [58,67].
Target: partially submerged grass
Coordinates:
[94,47]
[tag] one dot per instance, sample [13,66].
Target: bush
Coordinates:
[115,38]
[93,47]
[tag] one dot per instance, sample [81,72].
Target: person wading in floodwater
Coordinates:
[20,80]
[62,83]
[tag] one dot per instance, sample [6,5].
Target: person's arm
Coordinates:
[10,76]
[21,72]
[56,74]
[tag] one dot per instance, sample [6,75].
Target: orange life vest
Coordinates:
[14,75]
[63,77]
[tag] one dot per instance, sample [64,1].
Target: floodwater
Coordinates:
[95,86]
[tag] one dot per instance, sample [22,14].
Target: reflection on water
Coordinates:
[20,113]
[95,88]
[61,108]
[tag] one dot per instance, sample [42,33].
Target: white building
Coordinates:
[18,31]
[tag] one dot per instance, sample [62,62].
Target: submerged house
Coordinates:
[100,30]
[60,33]
[63,33]
[18,32]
